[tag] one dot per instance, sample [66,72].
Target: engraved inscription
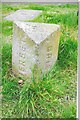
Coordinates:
[48,56]
[37,54]
[22,48]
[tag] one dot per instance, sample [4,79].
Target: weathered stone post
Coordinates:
[34,44]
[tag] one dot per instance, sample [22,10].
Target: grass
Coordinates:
[53,95]
[66,19]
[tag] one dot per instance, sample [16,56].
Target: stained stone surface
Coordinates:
[34,44]
[22,15]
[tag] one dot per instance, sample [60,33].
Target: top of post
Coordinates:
[38,32]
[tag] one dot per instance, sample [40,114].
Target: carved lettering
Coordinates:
[48,56]
[22,56]
[37,54]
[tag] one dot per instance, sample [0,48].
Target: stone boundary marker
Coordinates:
[23,15]
[34,44]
